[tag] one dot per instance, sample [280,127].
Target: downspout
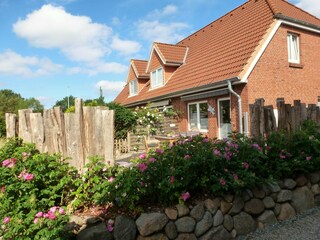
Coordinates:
[239,105]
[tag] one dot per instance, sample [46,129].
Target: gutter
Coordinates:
[239,105]
[207,87]
[296,21]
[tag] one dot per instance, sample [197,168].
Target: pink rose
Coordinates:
[111,179]
[6,220]
[51,215]
[222,182]
[61,211]
[35,220]
[28,176]
[185,196]
[39,214]
[142,167]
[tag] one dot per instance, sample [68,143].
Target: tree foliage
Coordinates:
[11,102]
[65,103]
[125,120]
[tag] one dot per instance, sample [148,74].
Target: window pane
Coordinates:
[153,79]
[203,116]
[133,87]
[293,48]
[193,116]
[160,77]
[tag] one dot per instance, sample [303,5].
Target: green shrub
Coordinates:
[33,183]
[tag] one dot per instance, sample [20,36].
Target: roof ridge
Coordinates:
[273,6]
[218,19]
[133,59]
[169,44]
[301,10]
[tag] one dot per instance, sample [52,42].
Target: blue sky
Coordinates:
[53,48]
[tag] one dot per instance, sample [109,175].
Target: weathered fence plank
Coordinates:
[281,113]
[37,130]
[290,118]
[108,120]
[24,125]
[87,132]
[11,125]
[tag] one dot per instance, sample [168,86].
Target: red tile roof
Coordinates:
[140,67]
[171,53]
[219,51]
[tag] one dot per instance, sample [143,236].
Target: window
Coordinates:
[157,78]
[133,87]
[198,116]
[293,48]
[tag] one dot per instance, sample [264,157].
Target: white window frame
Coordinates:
[293,48]
[156,82]
[133,88]
[198,116]
[219,121]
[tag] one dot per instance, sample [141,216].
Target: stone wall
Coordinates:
[217,218]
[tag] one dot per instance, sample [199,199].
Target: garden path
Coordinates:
[304,226]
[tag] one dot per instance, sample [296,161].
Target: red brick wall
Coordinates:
[131,75]
[273,77]
[212,120]
[155,62]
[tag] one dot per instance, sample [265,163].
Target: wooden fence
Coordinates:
[264,119]
[87,132]
[122,146]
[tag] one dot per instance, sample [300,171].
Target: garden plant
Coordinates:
[39,191]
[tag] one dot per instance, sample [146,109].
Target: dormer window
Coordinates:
[133,87]
[293,48]
[157,78]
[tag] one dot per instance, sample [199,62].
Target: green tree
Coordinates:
[65,103]
[125,120]
[11,102]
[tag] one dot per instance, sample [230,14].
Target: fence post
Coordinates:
[37,130]
[24,125]
[297,114]
[108,121]
[281,114]
[129,141]
[11,126]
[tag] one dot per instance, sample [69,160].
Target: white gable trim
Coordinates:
[261,51]
[268,40]
[300,26]
[154,49]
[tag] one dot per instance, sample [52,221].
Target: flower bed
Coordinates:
[33,184]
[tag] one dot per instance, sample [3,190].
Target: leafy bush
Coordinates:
[124,120]
[35,188]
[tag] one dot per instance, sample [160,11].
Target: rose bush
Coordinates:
[31,183]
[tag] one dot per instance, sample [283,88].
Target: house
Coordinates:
[262,49]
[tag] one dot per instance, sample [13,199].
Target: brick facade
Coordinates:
[272,77]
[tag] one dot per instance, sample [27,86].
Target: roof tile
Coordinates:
[221,50]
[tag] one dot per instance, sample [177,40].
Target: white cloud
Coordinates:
[310,6]
[77,37]
[46,101]
[125,47]
[99,67]
[161,32]
[166,11]
[110,87]
[169,9]
[12,63]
